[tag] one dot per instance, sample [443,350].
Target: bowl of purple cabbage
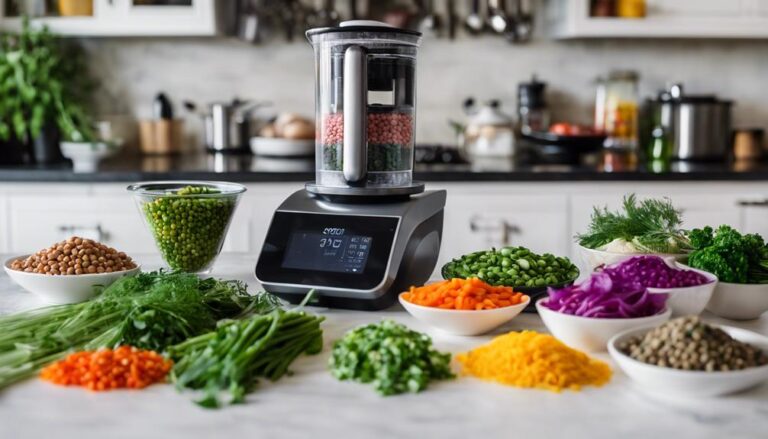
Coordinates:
[640,291]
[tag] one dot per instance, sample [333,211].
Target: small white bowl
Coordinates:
[595,258]
[86,156]
[739,301]
[688,301]
[61,289]
[463,322]
[669,382]
[592,334]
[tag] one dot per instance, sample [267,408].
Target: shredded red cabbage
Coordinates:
[621,290]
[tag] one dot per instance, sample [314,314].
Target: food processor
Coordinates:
[364,230]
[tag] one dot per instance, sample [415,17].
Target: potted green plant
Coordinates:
[44,90]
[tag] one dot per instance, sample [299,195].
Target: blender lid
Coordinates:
[362,26]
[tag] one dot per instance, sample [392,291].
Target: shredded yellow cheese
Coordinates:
[533,360]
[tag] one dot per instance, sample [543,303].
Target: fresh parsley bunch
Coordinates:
[729,255]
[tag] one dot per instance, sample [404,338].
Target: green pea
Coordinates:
[189,231]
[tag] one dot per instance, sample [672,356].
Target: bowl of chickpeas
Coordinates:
[70,271]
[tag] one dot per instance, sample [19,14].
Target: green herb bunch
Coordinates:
[391,356]
[652,225]
[729,255]
[150,311]
[42,80]
[238,353]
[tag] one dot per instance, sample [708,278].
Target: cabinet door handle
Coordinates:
[501,226]
[97,233]
[753,203]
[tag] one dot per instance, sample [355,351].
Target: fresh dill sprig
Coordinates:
[652,225]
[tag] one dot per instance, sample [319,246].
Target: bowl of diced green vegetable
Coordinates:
[516,267]
[188,219]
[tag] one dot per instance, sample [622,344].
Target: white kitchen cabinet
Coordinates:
[746,19]
[36,222]
[480,220]
[133,18]
[254,214]
[755,215]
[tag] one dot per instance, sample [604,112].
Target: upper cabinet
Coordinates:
[746,19]
[119,18]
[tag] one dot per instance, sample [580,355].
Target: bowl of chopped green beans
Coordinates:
[516,267]
[188,219]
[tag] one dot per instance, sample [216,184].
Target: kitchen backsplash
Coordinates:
[131,71]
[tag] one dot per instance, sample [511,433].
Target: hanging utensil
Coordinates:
[450,18]
[430,23]
[523,13]
[474,23]
[325,15]
[497,17]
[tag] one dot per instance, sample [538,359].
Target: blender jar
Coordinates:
[365,105]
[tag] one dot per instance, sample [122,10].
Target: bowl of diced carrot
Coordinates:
[463,306]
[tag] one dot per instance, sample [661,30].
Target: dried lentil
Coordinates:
[687,343]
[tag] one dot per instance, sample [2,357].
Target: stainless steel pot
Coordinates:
[699,126]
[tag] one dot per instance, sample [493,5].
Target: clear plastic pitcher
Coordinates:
[365,105]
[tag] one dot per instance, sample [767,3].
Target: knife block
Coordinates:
[163,136]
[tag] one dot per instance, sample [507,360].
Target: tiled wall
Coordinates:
[133,70]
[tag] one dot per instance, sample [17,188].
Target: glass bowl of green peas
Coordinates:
[188,219]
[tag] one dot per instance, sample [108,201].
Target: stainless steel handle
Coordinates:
[96,233]
[481,224]
[355,149]
[753,203]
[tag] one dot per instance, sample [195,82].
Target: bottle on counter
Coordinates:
[532,110]
[616,114]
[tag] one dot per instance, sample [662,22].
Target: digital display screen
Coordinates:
[330,249]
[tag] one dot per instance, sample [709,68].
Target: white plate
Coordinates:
[592,334]
[676,383]
[61,289]
[279,147]
[463,322]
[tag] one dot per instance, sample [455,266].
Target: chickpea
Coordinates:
[75,256]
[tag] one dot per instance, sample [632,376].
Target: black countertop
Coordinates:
[258,169]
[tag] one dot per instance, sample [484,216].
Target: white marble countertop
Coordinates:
[313,403]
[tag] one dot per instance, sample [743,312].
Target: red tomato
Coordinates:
[561,129]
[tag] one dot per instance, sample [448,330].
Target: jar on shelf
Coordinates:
[616,109]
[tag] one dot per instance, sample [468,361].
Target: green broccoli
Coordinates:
[728,254]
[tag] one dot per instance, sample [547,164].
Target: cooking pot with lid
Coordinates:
[699,126]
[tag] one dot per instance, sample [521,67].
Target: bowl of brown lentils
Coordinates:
[69,271]
[687,357]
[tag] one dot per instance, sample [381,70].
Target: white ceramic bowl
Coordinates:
[280,147]
[594,258]
[688,301]
[86,156]
[63,288]
[739,301]
[463,322]
[592,334]
[670,382]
